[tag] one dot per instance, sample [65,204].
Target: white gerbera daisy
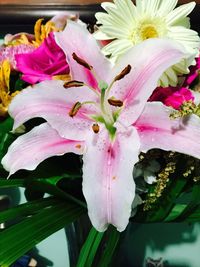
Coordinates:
[130,24]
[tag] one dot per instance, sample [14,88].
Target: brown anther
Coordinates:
[95,128]
[81,61]
[78,146]
[73,84]
[123,73]
[74,110]
[115,102]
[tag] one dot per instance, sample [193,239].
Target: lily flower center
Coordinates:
[110,107]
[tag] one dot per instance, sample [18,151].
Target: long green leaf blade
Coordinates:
[92,239]
[110,248]
[18,239]
[27,209]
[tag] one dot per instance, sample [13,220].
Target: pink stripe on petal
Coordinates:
[76,39]
[157,130]
[108,184]
[37,145]
[52,102]
[148,61]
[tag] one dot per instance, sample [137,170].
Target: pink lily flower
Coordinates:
[108,122]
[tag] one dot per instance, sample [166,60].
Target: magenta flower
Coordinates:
[176,99]
[172,96]
[42,64]
[107,119]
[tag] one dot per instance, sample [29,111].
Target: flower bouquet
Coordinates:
[120,106]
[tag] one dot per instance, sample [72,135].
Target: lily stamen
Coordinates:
[95,128]
[81,62]
[74,110]
[76,107]
[115,102]
[124,72]
[73,84]
[120,76]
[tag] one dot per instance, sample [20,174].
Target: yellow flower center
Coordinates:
[148,31]
[148,28]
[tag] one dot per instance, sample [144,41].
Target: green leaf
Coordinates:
[18,239]
[168,200]
[192,206]
[6,126]
[175,212]
[110,247]
[27,209]
[11,183]
[49,185]
[89,248]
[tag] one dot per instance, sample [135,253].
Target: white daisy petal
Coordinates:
[184,22]
[127,9]
[116,32]
[164,82]
[105,19]
[152,6]
[117,47]
[167,6]
[179,13]
[99,35]
[172,77]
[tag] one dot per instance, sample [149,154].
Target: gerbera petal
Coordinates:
[157,130]
[179,13]
[76,39]
[108,184]
[166,7]
[52,102]
[113,12]
[152,6]
[138,85]
[37,145]
[126,9]
[118,47]
[189,37]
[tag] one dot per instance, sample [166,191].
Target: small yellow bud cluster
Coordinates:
[162,181]
[187,108]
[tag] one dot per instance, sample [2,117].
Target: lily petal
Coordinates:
[37,145]
[108,184]
[157,130]
[76,39]
[52,102]
[135,89]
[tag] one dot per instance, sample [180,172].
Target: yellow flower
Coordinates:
[42,31]
[5,95]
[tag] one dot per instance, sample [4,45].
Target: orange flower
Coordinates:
[5,95]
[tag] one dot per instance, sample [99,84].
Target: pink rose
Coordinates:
[172,96]
[43,63]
